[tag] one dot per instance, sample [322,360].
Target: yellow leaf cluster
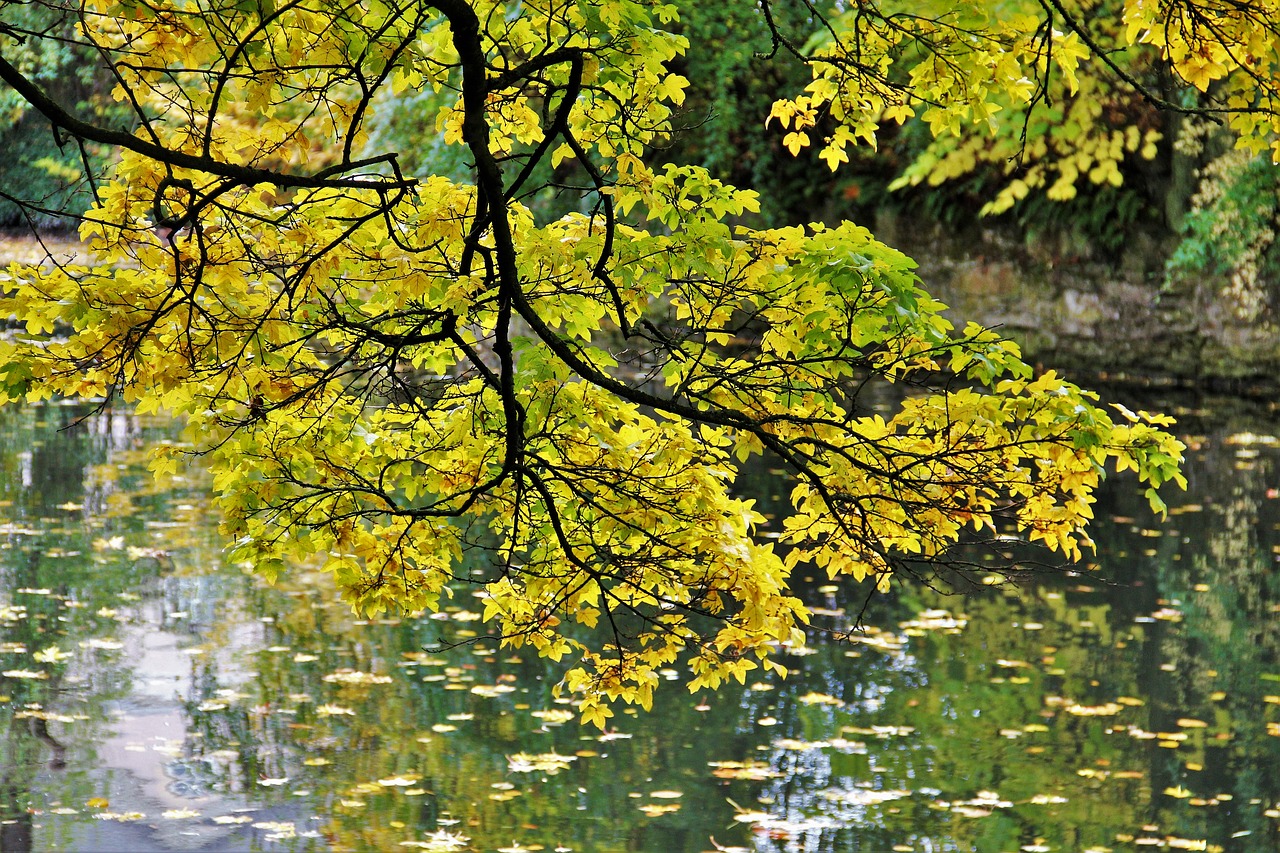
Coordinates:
[423,387]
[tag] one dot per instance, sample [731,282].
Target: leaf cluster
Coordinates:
[424,387]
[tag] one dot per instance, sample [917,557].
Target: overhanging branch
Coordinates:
[244,175]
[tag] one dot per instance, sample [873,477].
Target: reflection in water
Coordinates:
[153,698]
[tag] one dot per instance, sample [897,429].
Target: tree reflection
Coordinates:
[1132,703]
[72,491]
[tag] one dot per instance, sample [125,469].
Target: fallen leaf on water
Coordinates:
[657,809]
[1105,710]
[935,620]
[608,736]
[278,829]
[491,691]
[550,763]
[52,654]
[397,782]
[348,676]
[554,716]
[442,841]
[180,814]
[755,771]
[971,811]
[861,796]
[503,795]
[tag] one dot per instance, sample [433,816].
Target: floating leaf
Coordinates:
[52,654]
[1105,710]
[397,782]
[862,796]
[550,763]
[656,809]
[278,829]
[1047,799]
[442,841]
[489,691]
[349,676]
[756,771]
[180,814]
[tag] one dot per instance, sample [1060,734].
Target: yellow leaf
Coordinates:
[795,141]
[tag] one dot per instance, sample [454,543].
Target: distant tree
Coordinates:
[42,173]
[1055,93]
[426,386]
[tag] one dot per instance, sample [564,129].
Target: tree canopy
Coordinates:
[536,380]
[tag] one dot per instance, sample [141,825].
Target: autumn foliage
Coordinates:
[435,386]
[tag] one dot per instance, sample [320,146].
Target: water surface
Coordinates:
[155,698]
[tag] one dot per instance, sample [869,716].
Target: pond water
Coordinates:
[154,698]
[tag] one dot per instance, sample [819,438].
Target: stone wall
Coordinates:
[1090,317]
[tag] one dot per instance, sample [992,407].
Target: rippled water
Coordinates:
[154,698]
